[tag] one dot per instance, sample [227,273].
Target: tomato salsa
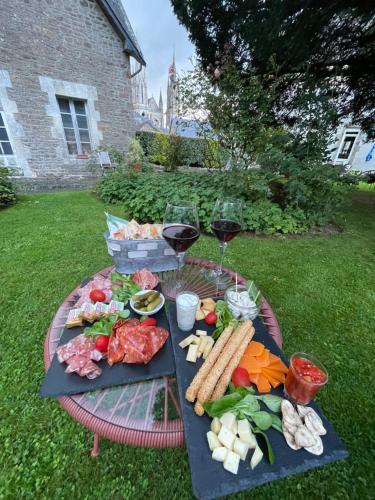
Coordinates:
[304,378]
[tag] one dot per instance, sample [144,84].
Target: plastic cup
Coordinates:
[186,304]
[302,389]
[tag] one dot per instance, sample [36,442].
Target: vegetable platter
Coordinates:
[91,354]
[241,444]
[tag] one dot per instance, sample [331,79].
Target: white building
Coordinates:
[352,148]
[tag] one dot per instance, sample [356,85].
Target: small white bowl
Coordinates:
[147,313]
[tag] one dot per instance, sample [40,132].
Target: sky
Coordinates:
[158,32]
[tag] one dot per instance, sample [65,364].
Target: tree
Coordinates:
[308,46]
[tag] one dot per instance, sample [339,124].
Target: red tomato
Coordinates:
[240,377]
[97,296]
[211,318]
[149,322]
[101,343]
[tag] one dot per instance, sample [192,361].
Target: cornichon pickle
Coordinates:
[151,297]
[154,304]
[144,309]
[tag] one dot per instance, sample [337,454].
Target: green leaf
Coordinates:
[276,423]
[263,436]
[262,419]
[222,405]
[272,402]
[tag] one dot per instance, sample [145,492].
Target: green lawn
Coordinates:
[320,287]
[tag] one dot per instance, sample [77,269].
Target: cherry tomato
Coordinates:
[101,343]
[240,377]
[97,296]
[149,322]
[211,318]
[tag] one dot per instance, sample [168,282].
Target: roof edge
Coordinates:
[129,45]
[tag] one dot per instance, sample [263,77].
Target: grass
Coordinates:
[321,288]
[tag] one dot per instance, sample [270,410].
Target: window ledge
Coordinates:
[82,157]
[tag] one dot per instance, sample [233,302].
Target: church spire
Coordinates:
[160,101]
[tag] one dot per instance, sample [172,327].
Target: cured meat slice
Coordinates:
[79,354]
[98,283]
[76,363]
[116,346]
[145,279]
[158,337]
[90,370]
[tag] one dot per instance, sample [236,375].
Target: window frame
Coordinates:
[76,128]
[347,135]
[4,126]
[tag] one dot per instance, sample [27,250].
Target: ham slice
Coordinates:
[145,279]
[98,283]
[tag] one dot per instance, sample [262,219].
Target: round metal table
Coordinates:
[142,414]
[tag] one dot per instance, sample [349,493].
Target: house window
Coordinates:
[5,146]
[74,119]
[347,145]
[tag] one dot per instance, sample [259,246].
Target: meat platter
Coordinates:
[135,350]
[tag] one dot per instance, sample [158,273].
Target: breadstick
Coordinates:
[231,347]
[192,390]
[224,380]
[198,408]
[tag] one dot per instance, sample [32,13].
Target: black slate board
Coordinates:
[209,478]
[58,383]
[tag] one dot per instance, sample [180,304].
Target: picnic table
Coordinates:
[143,414]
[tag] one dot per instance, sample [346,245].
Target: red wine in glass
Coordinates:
[180,231]
[225,230]
[226,223]
[180,236]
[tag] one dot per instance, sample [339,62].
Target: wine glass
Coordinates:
[226,223]
[180,230]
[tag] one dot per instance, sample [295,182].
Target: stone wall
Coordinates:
[69,48]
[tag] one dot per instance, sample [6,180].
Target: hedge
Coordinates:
[173,150]
[145,196]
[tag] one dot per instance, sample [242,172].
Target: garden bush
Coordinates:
[7,192]
[144,197]
[173,151]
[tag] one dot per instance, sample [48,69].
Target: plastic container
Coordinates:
[299,384]
[233,298]
[131,255]
[186,304]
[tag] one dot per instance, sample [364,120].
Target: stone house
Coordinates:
[65,83]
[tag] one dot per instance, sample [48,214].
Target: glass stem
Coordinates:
[223,246]
[180,265]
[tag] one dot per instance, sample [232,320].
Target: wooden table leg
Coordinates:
[95,448]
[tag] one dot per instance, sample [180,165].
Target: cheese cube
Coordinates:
[199,353]
[202,344]
[226,437]
[245,433]
[256,458]
[240,448]
[192,353]
[189,340]
[243,425]
[215,425]
[220,454]
[200,333]
[228,419]
[213,441]
[231,462]
[234,428]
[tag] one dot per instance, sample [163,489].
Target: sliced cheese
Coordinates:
[231,462]
[189,340]
[202,344]
[200,333]
[208,347]
[192,353]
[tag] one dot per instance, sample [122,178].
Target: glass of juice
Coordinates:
[306,376]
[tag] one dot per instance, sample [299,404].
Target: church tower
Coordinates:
[161,108]
[172,94]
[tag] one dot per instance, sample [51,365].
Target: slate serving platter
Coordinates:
[58,383]
[209,478]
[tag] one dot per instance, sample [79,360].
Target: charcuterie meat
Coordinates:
[145,279]
[131,342]
[98,283]
[79,354]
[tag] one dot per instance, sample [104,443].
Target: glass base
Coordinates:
[217,278]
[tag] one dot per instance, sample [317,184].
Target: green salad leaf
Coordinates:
[104,325]
[262,419]
[224,318]
[126,290]
[272,402]
[264,437]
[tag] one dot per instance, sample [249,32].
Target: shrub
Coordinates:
[173,151]
[7,193]
[145,196]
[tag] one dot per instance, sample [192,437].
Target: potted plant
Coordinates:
[135,155]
